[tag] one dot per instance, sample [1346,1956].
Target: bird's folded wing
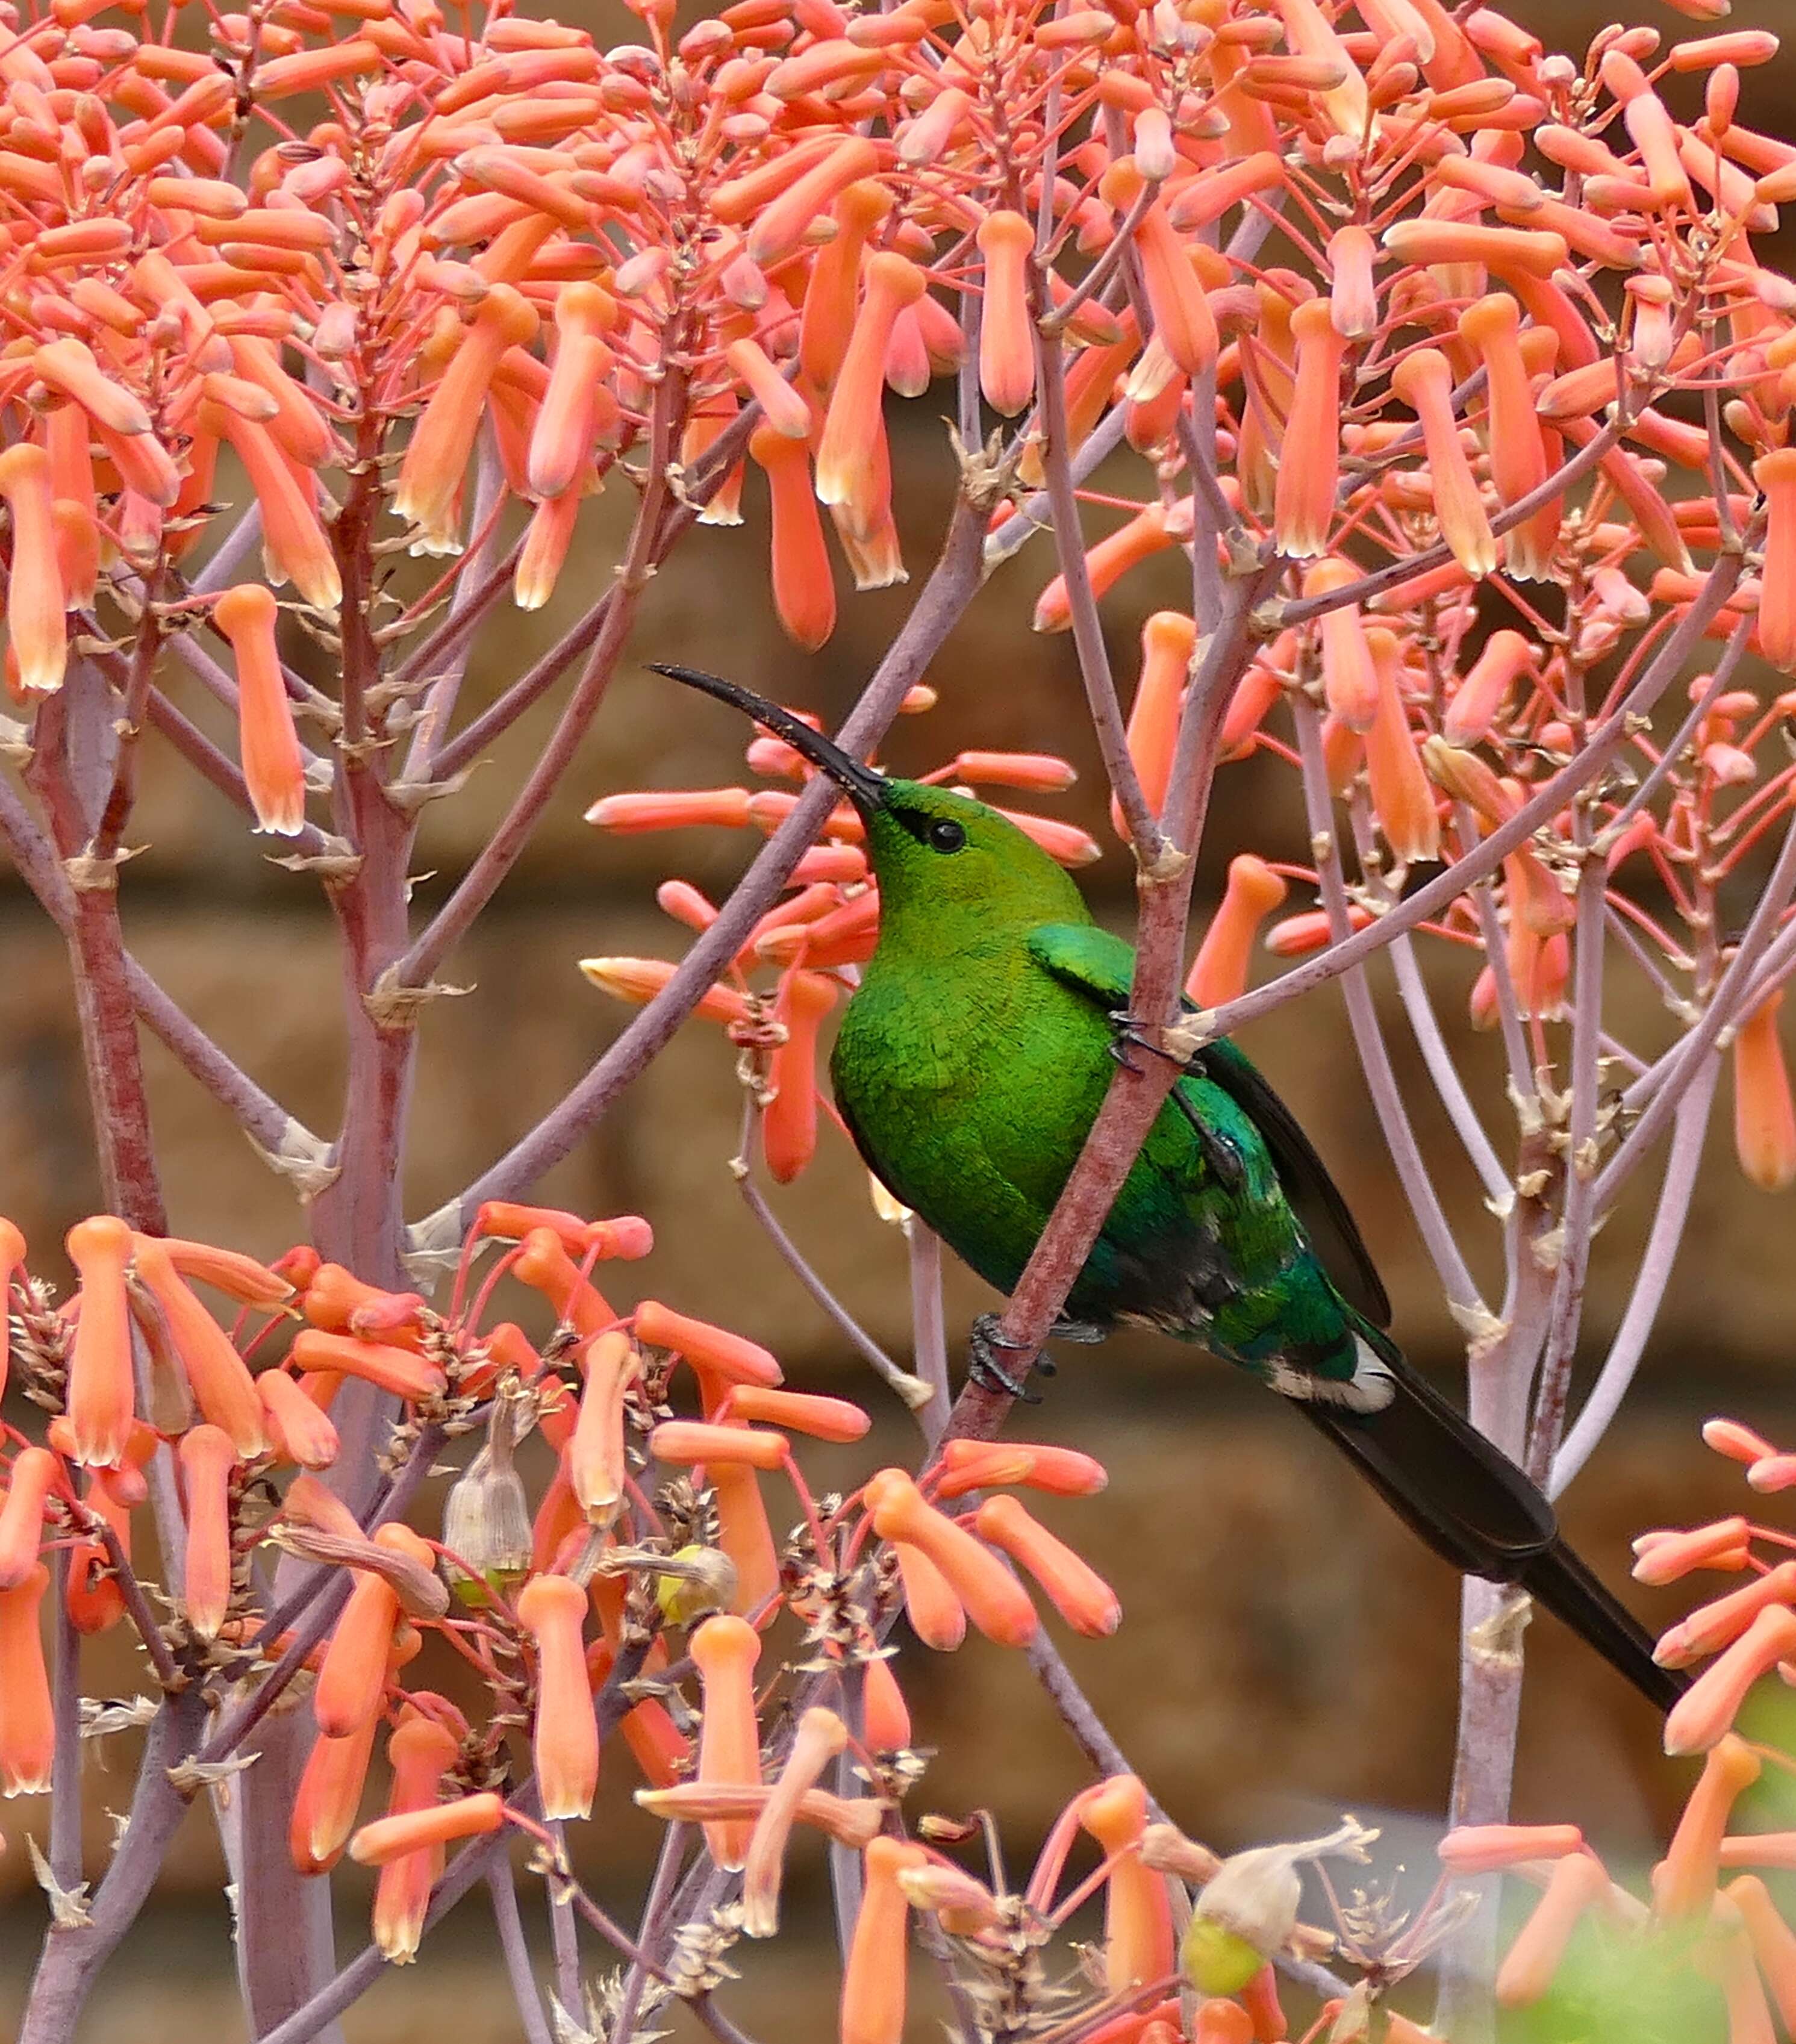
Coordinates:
[1102,965]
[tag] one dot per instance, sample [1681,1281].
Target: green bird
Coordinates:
[971,1063]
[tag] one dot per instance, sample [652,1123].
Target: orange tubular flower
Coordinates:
[828,314]
[1006,332]
[100,1396]
[1775,475]
[1353,299]
[544,1265]
[1764,1119]
[1182,320]
[389,1839]
[1481,698]
[691,1441]
[329,1796]
[35,595]
[720,1359]
[1425,382]
[789,1126]
[1576,1885]
[1706,1711]
[967,1466]
[1489,1848]
[595,1454]
[420,1752]
[1651,129]
[1309,454]
[781,225]
[30,1481]
[1683,1883]
[782,405]
[353,1675]
[546,545]
[1402,799]
[1138,1942]
[820,1735]
[1518,454]
[1074,1589]
[293,545]
[936,1615]
[1219,973]
[561,440]
[1167,640]
[1663,1556]
[848,457]
[399,1370]
[724,1650]
[873,1985]
[553,1609]
[994,1600]
[298,1430]
[804,589]
[208,1456]
[885,1718]
[803,1412]
[1348,680]
[227,1270]
[443,436]
[1148,533]
[1720,1622]
[218,1376]
[28,1731]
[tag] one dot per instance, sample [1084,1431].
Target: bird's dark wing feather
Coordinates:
[1102,965]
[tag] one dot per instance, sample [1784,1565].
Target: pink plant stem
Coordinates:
[1682,1165]
[1731,653]
[480,572]
[502,1890]
[1425,1025]
[1087,632]
[499,716]
[1436,896]
[951,587]
[651,1926]
[564,1933]
[1368,1038]
[929,1329]
[65,1696]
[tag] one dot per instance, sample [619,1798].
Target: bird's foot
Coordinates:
[987,1348]
[1128,1033]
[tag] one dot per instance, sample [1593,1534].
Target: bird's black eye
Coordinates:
[946,836]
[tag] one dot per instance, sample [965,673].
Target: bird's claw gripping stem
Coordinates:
[984,1345]
[1128,1033]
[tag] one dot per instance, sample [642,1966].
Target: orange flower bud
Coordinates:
[885,1718]
[1518,454]
[101,1395]
[1219,2022]
[692,1441]
[1295,936]
[35,595]
[1353,298]
[803,1412]
[1402,801]
[968,1465]
[1683,1883]
[1513,252]
[1706,1710]
[783,406]
[1309,454]
[873,1985]
[1138,1944]
[27,1735]
[387,1838]
[804,591]
[1148,533]
[238,1277]
[1764,1119]
[1489,1848]
[1219,973]
[1577,1883]
[1075,1589]
[781,225]
[1348,677]
[828,315]
[718,1358]
[640,980]
[1738,1443]
[353,1675]
[443,436]
[850,455]
[1167,638]
[293,545]
[1481,698]
[789,1128]
[724,1650]
[1650,125]
[1663,1556]
[1007,333]
[328,1797]
[565,1741]
[30,1481]
[561,439]
[207,1457]
[296,1430]
[820,1735]
[420,1752]
[1183,322]
[965,1907]
[1774,1943]
[1425,382]
[218,1376]
[399,1370]
[1720,1622]
[994,1600]
[546,541]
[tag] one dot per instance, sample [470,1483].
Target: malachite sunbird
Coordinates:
[971,1063]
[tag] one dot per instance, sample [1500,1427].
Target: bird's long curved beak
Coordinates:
[865,789]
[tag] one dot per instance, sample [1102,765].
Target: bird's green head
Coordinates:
[935,853]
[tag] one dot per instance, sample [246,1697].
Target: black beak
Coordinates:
[865,789]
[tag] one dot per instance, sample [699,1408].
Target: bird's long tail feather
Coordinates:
[1477,1510]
